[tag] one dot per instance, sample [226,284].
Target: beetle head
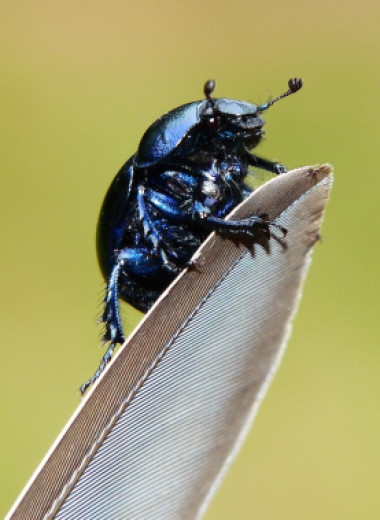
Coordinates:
[230,120]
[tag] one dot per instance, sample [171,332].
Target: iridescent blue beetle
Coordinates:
[186,175]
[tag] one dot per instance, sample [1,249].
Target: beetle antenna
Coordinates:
[294,84]
[208,89]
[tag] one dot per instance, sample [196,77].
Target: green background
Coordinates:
[80,82]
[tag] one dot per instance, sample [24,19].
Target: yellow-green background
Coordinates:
[80,81]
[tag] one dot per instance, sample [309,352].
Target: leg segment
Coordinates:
[111,318]
[266,165]
[149,229]
[160,248]
[142,262]
[248,226]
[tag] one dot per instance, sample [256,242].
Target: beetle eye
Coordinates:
[211,122]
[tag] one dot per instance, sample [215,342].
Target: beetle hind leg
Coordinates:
[111,318]
[105,360]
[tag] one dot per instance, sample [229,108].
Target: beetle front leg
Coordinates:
[265,164]
[247,226]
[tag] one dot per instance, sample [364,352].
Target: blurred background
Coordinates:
[80,82]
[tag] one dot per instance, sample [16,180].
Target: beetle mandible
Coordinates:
[186,175]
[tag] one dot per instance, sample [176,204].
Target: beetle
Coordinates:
[188,172]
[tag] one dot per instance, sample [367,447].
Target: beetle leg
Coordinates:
[148,226]
[265,164]
[168,265]
[175,166]
[159,246]
[104,362]
[111,314]
[247,226]
[111,319]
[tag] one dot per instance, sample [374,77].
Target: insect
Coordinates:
[188,172]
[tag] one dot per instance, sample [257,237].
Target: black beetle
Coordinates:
[186,175]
